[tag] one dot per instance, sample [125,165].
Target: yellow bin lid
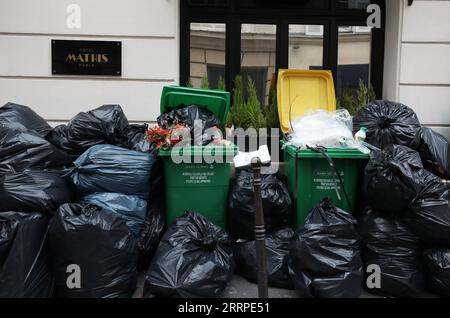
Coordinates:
[301,90]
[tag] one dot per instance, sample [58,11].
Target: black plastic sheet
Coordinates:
[430,220]
[277,250]
[325,260]
[151,232]
[100,244]
[107,168]
[23,117]
[434,150]
[438,265]
[132,208]
[34,191]
[103,125]
[276,202]
[21,149]
[388,123]
[194,259]
[396,178]
[390,244]
[24,266]
[135,138]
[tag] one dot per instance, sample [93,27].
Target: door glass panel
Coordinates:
[258,57]
[353,4]
[305,46]
[354,55]
[207,55]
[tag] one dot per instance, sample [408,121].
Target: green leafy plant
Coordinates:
[205,82]
[353,102]
[271,111]
[189,83]
[365,94]
[253,107]
[221,84]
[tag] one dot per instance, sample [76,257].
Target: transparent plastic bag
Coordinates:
[319,127]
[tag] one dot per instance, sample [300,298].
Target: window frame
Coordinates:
[233,16]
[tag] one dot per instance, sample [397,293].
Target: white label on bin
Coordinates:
[198,177]
[327,181]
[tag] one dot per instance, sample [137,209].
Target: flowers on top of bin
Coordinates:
[166,138]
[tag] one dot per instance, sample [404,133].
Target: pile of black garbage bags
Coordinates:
[80,211]
[405,227]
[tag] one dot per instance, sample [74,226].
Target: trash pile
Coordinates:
[407,220]
[276,201]
[324,260]
[82,210]
[325,129]
[194,259]
[75,199]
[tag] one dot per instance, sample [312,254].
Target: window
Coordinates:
[207,50]
[258,37]
[258,56]
[353,4]
[354,56]
[305,46]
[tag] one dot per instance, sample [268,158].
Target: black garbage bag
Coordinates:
[388,123]
[23,117]
[430,220]
[24,265]
[276,202]
[100,244]
[132,208]
[34,191]
[324,260]
[434,150]
[390,244]
[103,125]
[396,177]
[107,168]
[277,250]
[198,119]
[194,259]
[135,138]
[151,232]
[438,265]
[21,150]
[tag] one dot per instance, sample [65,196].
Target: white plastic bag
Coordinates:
[322,128]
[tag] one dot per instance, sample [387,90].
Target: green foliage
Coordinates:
[205,82]
[271,111]
[221,84]
[353,102]
[253,107]
[365,94]
[189,83]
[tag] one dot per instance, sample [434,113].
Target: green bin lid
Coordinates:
[216,101]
